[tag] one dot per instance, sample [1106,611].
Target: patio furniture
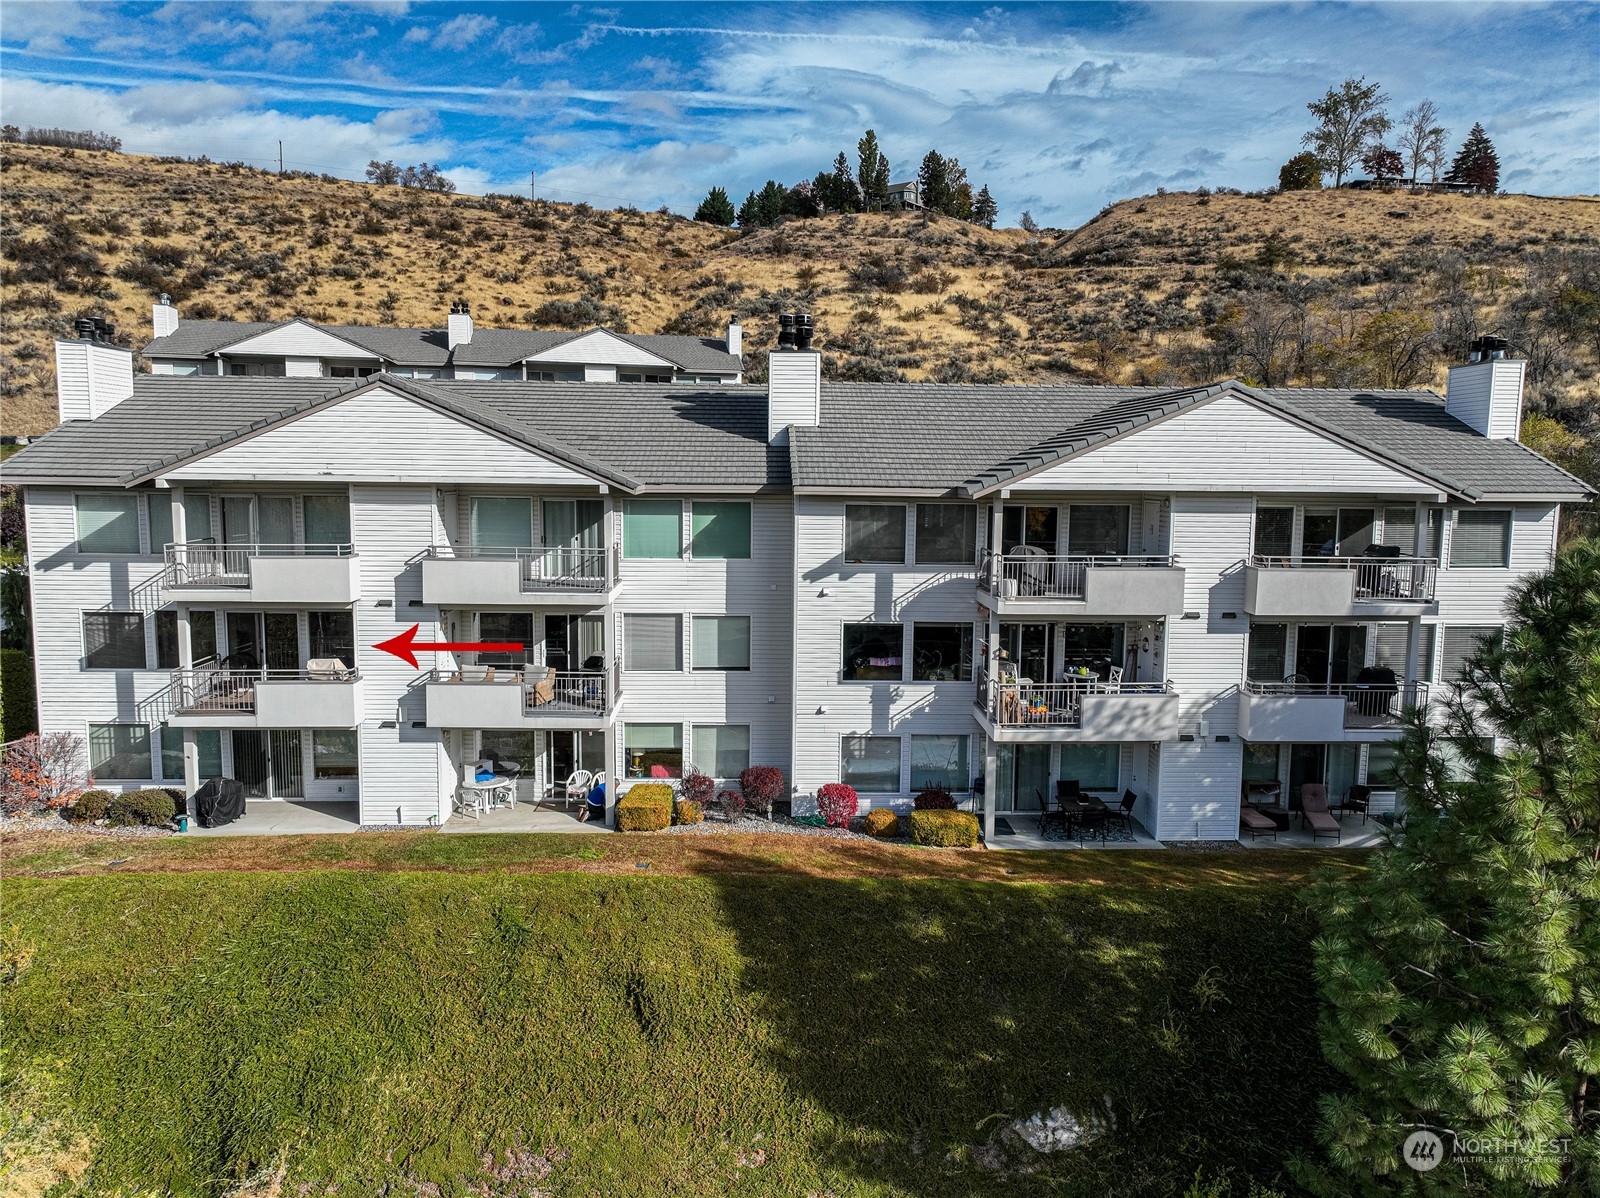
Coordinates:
[575,787]
[1068,788]
[1113,682]
[1124,811]
[1379,687]
[502,791]
[1092,816]
[1355,799]
[327,669]
[544,691]
[1315,814]
[1257,823]
[472,796]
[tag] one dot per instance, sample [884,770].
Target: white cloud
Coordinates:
[460,32]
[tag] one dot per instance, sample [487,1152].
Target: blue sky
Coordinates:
[1060,109]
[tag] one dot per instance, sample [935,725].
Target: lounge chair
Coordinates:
[1315,814]
[1256,823]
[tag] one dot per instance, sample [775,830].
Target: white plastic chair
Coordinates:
[1113,685]
[475,797]
[576,786]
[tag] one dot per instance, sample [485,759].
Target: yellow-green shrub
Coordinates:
[687,811]
[944,829]
[883,822]
[646,807]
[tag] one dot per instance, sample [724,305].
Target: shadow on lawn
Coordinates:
[956,1008]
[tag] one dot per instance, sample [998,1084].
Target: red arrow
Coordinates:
[405,646]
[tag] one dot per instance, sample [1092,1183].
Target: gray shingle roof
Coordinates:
[202,338]
[506,347]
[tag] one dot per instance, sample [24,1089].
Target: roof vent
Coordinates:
[785,330]
[1487,349]
[93,328]
[803,329]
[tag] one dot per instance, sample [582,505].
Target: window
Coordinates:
[1097,529]
[652,528]
[573,524]
[555,376]
[1432,535]
[166,640]
[719,530]
[505,628]
[941,652]
[721,642]
[159,506]
[119,750]
[333,634]
[1389,649]
[501,522]
[722,750]
[939,762]
[1380,767]
[653,750]
[873,652]
[108,523]
[202,635]
[1260,762]
[196,516]
[257,370]
[871,764]
[874,532]
[1461,641]
[644,378]
[1096,767]
[208,747]
[1481,539]
[1274,531]
[333,754]
[327,520]
[113,640]
[947,534]
[351,372]
[652,642]
[1400,529]
[184,368]
[1268,655]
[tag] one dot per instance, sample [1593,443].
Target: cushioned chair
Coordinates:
[1314,812]
[1257,824]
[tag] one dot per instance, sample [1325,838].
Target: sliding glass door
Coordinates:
[269,765]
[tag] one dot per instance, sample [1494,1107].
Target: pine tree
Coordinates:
[1460,975]
[769,203]
[870,163]
[880,182]
[933,182]
[716,208]
[849,194]
[750,212]
[1476,162]
[984,210]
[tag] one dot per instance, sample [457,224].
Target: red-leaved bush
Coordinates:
[762,786]
[838,804]
[41,773]
[697,787]
[934,799]
[730,805]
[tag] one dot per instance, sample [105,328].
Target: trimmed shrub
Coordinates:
[944,829]
[687,811]
[762,786]
[730,805]
[697,788]
[838,804]
[646,807]
[91,805]
[934,799]
[883,823]
[152,808]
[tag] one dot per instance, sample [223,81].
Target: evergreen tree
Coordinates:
[1460,975]
[750,212]
[1476,162]
[933,182]
[1348,118]
[870,163]
[1303,172]
[716,208]
[984,209]
[848,193]
[880,182]
[958,202]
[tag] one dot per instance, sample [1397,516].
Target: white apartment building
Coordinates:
[982,588]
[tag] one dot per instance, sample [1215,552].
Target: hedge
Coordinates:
[91,805]
[883,822]
[647,807]
[151,807]
[944,829]
[18,704]
[762,786]
[687,811]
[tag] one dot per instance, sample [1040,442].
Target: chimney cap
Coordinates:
[166,300]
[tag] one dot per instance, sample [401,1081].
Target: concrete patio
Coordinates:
[526,816]
[286,817]
[1025,835]
[1354,835]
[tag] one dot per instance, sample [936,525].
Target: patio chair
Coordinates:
[1315,814]
[473,797]
[1068,788]
[1092,819]
[1355,799]
[1256,823]
[1113,683]
[545,689]
[575,787]
[1124,810]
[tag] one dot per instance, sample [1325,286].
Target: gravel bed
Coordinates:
[778,823]
[55,823]
[1205,846]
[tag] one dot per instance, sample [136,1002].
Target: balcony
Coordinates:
[468,576]
[1093,711]
[1030,583]
[1325,712]
[1335,587]
[304,575]
[504,697]
[215,697]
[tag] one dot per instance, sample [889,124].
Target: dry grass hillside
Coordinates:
[1344,288]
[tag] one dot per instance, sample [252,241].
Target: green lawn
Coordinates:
[729,1033]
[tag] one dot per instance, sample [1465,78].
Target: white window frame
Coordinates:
[749,643]
[1511,532]
[683,659]
[146,629]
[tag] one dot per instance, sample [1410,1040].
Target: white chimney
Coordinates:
[92,375]
[794,380]
[735,337]
[1486,393]
[460,327]
[164,316]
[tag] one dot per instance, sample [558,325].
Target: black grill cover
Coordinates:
[220,801]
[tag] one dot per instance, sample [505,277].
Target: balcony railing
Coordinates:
[1042,576]
[1011,703]
[541,568]
[217,690]
[1366,704]
[1377,579]
[204,563]
[544,691]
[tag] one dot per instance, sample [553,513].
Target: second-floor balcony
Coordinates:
[506,697]
[322,694]
[488,576]
[1325,712]
[304,575]
[1028,581]
[1331,587]
[1016,709]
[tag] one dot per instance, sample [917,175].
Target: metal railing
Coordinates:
[1012,703]
[1378,579]
[217,690]
[1042,576]
[543,568]
[544,691]
[205,563]
[1366,704]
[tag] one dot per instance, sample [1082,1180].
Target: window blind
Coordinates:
[719,530]
[947,534]
[327,519]
[652,642]
[652,528]
[501,522]
[1274,535]
[1481,539]
[1389,649]
[159,507]
[1400,528]
[874,532]
[196,516]
[722,750]
[721,642]
[1460,642]
[108,523]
